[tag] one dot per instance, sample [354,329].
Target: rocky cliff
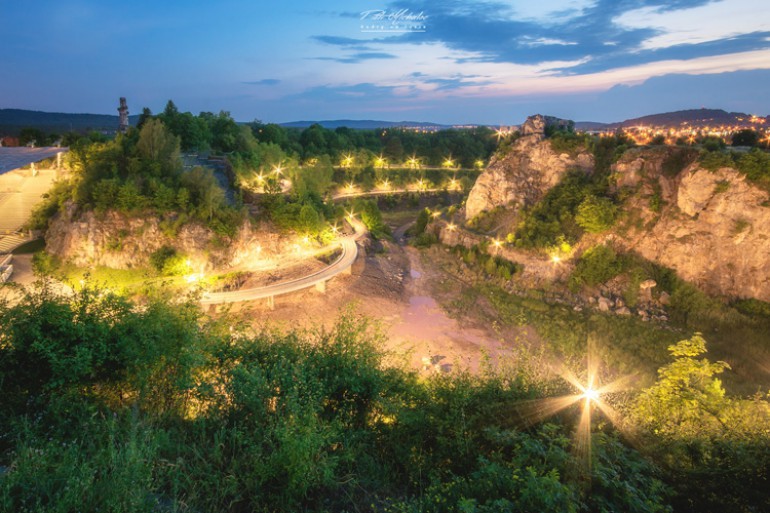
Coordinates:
[522,176]
[710,226]
[121,242]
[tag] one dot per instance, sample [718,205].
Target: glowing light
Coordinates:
[451,227]
[277,170]
[379,162]
[413,163]
[555,258]
[449,163]
[385,185]
[192,278]
[497,243]
[479,164]
[589,394]
[347,161]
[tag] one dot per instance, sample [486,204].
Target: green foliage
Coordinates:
[596,265]
[568,142]
[607,150]
[425,240]
[492,266]
[423,218]
[753,307]
[116,408]
[745,137]
[756,166]
[554,217]
[688,400]
[714,446]
[676,160]
[371,216]
[44,263]
[308,217]
[722,186]
[715,160]
[596,215]
[53,202]
[315,179]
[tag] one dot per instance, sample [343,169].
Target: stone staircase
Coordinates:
[10,242]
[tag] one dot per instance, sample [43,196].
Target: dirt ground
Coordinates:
[398,287]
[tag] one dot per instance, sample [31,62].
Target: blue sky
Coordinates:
[448,61]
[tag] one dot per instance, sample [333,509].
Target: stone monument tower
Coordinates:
[123,111]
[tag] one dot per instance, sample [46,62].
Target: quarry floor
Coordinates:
[402,289]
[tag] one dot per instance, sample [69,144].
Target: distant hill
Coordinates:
[364,124]
[12,120]
[691,117]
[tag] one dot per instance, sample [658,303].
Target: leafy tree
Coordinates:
[32,135]
[371,216]
[205,191]
[745,137]
[688,400]
[158,148]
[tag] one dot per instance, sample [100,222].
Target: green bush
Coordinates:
[715,160]
[596,215]
[597,265]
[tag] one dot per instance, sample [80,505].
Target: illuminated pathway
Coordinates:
[342,264]
[381,192]
[317,279]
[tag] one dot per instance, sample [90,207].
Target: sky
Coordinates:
[447,61]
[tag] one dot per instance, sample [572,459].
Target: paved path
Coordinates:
[15,158]
[378,192]
[318,279]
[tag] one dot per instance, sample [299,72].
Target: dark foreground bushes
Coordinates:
[112,406]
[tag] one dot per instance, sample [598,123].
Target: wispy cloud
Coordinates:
[263,82]
[358,57]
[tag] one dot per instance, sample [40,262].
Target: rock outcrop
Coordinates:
[710,226]
[522,176]
[120,242]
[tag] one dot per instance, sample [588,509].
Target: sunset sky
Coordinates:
[448,61]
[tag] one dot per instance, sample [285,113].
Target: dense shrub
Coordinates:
[111,407]
[597,265]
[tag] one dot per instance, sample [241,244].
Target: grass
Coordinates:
[625,344]
[120,280]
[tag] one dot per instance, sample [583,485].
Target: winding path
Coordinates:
[318,279]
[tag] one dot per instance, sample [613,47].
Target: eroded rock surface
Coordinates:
[522,176]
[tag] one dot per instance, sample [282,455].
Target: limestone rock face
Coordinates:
[523,176]
[711,227]
[120,242]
